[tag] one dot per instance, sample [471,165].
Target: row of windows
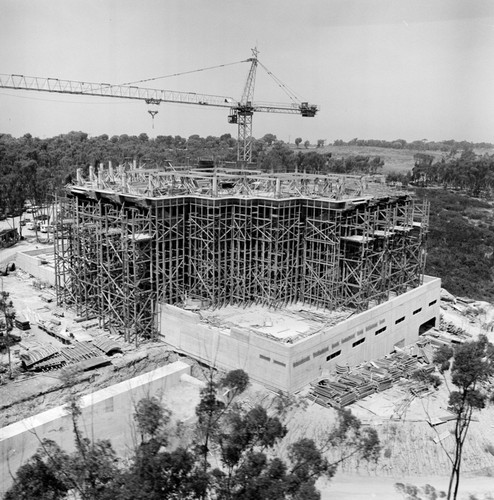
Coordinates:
[360,341]
[337,353]
[276,362]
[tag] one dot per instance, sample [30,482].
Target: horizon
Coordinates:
[376,68]
[328,142]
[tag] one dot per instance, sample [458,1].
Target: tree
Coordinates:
[269,139]
[42,476]
[8,312]
[156,472]
[307,144]
[472,366]
[240,441]
[312,162]
[279,159]
[320,143]
[298,141]
[151,418]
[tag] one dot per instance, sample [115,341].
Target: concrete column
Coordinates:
[215,184]
[124,182]
[79,177]
[278,188]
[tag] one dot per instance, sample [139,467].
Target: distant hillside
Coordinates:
[460,245]
[395,160]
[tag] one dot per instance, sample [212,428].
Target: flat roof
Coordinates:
[286,324]
[157,184]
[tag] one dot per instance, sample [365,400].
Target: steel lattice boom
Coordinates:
[241,112]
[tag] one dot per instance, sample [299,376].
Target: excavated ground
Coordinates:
[413,451]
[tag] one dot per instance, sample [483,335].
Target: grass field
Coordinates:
[395,160]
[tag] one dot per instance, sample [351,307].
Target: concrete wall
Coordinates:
[396,321]
[35,263]
[106,414]
[229,349]
[290,367]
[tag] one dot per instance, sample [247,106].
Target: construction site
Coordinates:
[163,254]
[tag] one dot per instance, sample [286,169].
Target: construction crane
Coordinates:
[240,112]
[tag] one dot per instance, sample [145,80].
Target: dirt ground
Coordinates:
[413,451]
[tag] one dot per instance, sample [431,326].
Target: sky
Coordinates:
[378,69]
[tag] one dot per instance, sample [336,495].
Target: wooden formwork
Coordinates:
[141,237]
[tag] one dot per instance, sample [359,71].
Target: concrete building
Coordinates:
[144,248]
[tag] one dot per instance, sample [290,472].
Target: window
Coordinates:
[383,329]
[300,361]
[400,320]
[334,355]
[321,351]
[432,303]
[417,310]
[264,357]
[357,342]
[278,362]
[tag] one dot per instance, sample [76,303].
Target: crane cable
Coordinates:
[290,93]
[185,72]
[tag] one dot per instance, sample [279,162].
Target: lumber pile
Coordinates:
[348,385]
[83,354]
[22,323]
[53,328]
[35,356]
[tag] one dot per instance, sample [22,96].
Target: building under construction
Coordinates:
[134,244]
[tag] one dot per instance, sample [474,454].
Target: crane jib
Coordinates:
[241,113]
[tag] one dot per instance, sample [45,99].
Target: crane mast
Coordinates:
[241,112]
[245,112]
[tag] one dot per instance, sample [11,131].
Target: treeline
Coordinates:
[34,169]
[460,243]
[468,172]
[422,145]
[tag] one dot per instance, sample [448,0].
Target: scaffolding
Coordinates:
[129,239]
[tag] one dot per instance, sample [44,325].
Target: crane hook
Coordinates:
[153,113]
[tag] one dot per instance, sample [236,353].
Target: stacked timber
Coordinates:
[347,385]
[53,329]
[79,351]
[32,358]
[22,323]
[342,368]
[108,346]
[328,392]
[49,357]
[53,363]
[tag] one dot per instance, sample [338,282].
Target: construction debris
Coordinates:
[348,385]
[50,357]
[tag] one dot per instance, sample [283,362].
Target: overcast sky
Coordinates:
[381,69]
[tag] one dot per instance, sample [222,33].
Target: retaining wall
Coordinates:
[38,263]
[106,414]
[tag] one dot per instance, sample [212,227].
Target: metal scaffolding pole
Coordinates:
[129,239]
